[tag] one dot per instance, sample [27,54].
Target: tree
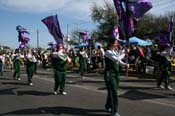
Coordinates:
[106,18]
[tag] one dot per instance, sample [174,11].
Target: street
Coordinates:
[86,97]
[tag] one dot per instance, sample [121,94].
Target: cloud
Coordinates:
[33,6]
[42,6]
[77,9]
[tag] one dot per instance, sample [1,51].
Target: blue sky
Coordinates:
[75,13]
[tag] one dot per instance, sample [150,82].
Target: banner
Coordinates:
[53,26]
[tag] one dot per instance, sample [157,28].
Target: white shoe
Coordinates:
[63,93]
[161,86]
[169,88]
[18,79]
[108,109]
[30,84]
[55,93]
[116,114]
[83,77]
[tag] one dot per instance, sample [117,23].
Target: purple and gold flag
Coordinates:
[53,26]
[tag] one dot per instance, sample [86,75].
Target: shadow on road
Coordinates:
[9,91]
[138,95]
[138,80]
[136,88]
[58,111]
[15,83]
[33,92]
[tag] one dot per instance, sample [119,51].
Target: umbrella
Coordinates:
[97,44]
[81,45]
[137,41]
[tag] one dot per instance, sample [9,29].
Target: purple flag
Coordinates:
[19,28]
[23,37]
[52,44]
[116,32]
[128,25]
[163,39]
[84,35]
[170,29]
[139,7]
[126,21]
[53,26]
[119,10]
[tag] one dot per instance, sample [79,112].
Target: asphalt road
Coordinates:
[86,97]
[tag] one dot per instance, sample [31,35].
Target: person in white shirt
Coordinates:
[2,62]
[30,65]
[112,75]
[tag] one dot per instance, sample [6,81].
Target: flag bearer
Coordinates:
[165,66]
[60,59]
[113,60]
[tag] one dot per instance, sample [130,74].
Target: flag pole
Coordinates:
[171,30]
[126,36]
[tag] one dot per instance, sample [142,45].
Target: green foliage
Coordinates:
[106,18]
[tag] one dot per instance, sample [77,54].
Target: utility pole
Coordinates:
[37,31]
[67,38]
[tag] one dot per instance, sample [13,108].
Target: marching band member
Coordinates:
[112,75]
[165,65]
[16,64]
[82,60]
[60,60]
[30,65]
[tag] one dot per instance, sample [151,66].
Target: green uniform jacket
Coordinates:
[59,64]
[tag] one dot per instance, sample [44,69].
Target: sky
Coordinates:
[74,13]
